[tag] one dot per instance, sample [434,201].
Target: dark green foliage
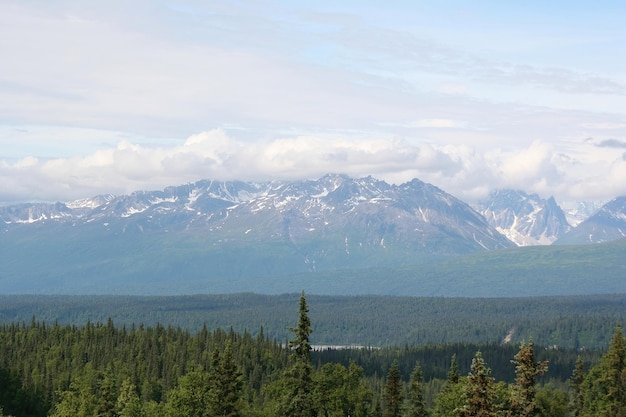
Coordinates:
[416,406]
[341,391]
[143,371]
[453,374]
[393,392]
[192,396]
[527,369]
[102,369]
[15,398]
[480,391]
[564,322]
[450,399]
[298,399]
[577,393]
[605,384]
[452,395]
[128,402]
[226,386]
[551,402]
[434,360]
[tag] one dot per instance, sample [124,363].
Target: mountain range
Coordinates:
[228,233]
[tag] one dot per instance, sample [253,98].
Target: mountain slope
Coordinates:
[525,219]
[607,224]
[229,233]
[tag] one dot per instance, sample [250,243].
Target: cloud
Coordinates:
[461,170]
[611,143]
[604,183]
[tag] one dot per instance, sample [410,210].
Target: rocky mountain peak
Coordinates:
[526,219]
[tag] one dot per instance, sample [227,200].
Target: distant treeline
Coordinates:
[572,322]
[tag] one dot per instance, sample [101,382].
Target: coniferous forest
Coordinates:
[100,369]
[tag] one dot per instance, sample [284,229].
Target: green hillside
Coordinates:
[61,260]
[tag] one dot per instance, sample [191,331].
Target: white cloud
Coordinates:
[461,170]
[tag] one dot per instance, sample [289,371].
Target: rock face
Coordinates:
[359,213]
[608,223]
[525,219]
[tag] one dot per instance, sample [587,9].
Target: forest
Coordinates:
[567,322]
[102,369]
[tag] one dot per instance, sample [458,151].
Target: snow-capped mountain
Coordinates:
[336,235]
[525,219]
[224,236]
[359,213]
[579,211]
[607,224]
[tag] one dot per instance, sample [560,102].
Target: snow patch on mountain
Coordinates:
[525,219]
[606,224]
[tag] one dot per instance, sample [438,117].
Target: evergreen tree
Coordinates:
[453,373]
[301,345]
[450,399]
[393,392]
[377,410]
[479,391]
[577,394]
[227,386]
[605,385]
[526,372]
[339,391]
[191,398]
[451,396]
[298,399]
[82,398]
[551,402]
[417,405]
[106,394]
[128,402]
[358,396]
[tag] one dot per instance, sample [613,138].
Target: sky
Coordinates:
[116,96]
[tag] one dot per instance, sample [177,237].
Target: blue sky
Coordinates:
[114,96]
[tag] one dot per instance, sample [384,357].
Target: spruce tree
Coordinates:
[192,397]
[393,392]
[577,395]
[227,385]
[526,372]
[299,396]
[479,391]
[605,385]
[453,373]
[451,396]
[417,405]
[128,402]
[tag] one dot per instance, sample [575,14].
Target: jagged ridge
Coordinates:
[525,219]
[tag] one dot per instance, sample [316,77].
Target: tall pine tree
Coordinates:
[451,396]
[299,396]
[417,405]
[393,392]
[577,394]
[479,391]
[605,385]
[526,371]
[227,385]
